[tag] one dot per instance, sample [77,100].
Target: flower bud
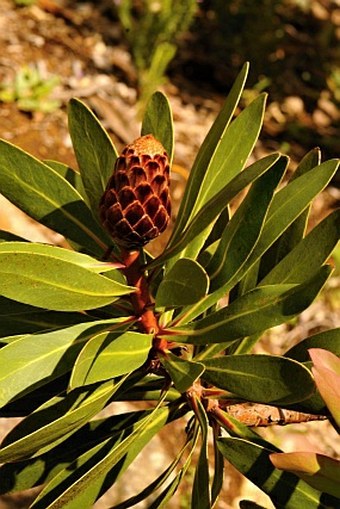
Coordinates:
[135,207]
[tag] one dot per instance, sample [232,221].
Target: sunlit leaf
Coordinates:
[69,174]
[261,378]
[183,373]
[94,151]
[326,371]
[54,421]
[328,339]
[256,311]
[46,196]
[80,484]
[185,283]
[158,122]
[286,490]
[318,470]
[110,354]
[206,151]
[243,230]
[309,254]
[52,282]
[215,206]
[36,359]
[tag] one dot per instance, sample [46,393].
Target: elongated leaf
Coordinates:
[158,121]
[254,312]
[308,254]
[17,318]
[214,207]
[164,497]
[288,204]
[35,471]
[260,378]
[218,475]
[36,359]
[328,340]
[243,230]
[58,253]
[108,355]
[80,485]
[183,373]
[326,371]
[47,197]
[155,485]
[295,232]
[54,283]
[201,498]
[205,153]
[69,174]
[228,161]
[54,421]
[285,489]
[95,153]
[185,283]
[233,151]
[317,470]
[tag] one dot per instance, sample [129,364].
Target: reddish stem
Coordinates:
[141,300]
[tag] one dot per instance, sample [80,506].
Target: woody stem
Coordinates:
[141,298]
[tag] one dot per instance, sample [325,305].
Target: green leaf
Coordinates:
[285,489]
[260,378]
[55,421]
[214,207]
[155,485]
[295,232]
[328,340]
[317,470]
[80,484]
[218,475]
[183,373]
[243,230]
[200,491]
[227,162]
[158,122]
[255,311]
[48,198]
[110,354]
[35,471]
[95,153]
[288,204]
[59,253]
[326,371]
[17,318]
[36,359]
[54,283]
[205,154]
[69,174]
[185,283]
[308,254]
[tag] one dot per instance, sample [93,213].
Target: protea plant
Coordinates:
[104,321]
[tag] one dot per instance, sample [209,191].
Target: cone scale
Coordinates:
[135,207]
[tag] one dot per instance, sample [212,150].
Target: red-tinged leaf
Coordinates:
[324,359]
[326,372]
[321,472]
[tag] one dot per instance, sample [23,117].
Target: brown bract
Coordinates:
[135,207]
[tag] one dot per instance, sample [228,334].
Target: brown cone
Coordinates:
[135,207]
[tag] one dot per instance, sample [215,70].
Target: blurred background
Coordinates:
[113,54]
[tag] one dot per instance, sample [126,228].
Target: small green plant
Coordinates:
[30,90]
[152,29]
[25,2]
[106,322]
